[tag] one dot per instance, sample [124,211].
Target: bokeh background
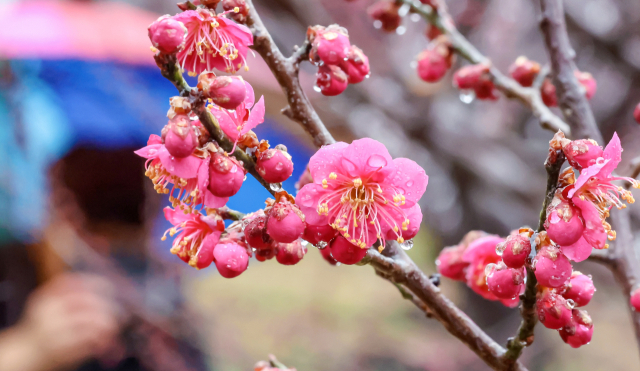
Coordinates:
[79,92]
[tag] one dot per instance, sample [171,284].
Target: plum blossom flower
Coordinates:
[595,194]
[213,41]
[236,123]
[197,236]
[361,191]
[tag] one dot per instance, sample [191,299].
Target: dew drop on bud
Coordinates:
[488,270]
[321,245]
[571,303]
[317,88]
[500,248]
[304,243]
[467,96]
[276,187]
[407,245]
[245,178]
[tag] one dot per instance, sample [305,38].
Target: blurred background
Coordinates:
[80,225]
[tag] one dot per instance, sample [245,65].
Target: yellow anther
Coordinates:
[357,182]
[395,228]
[324,183]
[346,235]
[333,175]
[400,239]
[173,231]
[154,49]
[606,246]
[164,238]
[192,74]
[236,9]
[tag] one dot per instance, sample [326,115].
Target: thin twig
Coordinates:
[530,97]
[229,214]
[524,336]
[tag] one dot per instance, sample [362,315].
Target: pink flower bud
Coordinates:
[450,263]
[255,233]
[285,223]
[636,113]
[290,253]
[635,300]
[330,45]
[274,165]
[503,282]
[553,310]
[243,9]
[345,252]
[548,93]
[225,91]
[204,256]
[580,289]
[167,34]
[582,153]
[432,32]
[266,254]
[552,268]
[524,71]
[231,259]
[315,234]
[468,77]
[180,139]
[386,12]
[356,66]
[516,250]
[326,255]
[579,331]
[226,175]
[433,64]
[563,224]
[331,80]
[305,178]
[588,82]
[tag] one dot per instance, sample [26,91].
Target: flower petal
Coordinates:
[150,151]
[613,153]
[175,217]
[154,139]
[587,174]
[250,98]
[326,160]
[256,117]
[579,251]
[186,168]
[365,156]
[481,248]
[213,201]
[594,232]
[410,177]
[307,200]
[226,121]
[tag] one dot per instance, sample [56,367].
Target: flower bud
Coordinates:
[226,175]
[579,331]
[386,12]
[266,254]
[516,250]
[469,77]
[356,66]
[432,32]
[450,263]
[326,255]
[553,311]
[580,289]
[180,138]
[255,233]
[329,45]
[243,9]
[231,259]
[285,223]
[204,256]
[290,253]
[548,93]
[524,71]
[345,252]
[588,82]
[225,91]
[636,113]
[331,80]
[212,4]
[167,34]
[305,178]
[178,106]
[634,300]
[552,268]
[315,234]
[582,153]
[503,282]
[434,62]
[274,165]
[563,224]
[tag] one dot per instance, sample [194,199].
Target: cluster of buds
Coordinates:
[387,14]
[476,79]
[339,63]
[434,62]
[525,71]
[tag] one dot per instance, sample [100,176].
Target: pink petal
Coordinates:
[241,33]
[150,151]
[213,201]
[409,177]
[226,122]
[579,251]
[175,217]
[587,174]
[481,248]
[154,139]
[365,156]
[612,152]
[326,160]
[256,117]
[185,168]
[307,200]
[594,232]
[250,98]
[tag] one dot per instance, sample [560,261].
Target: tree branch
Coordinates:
[530,97]
[524,336]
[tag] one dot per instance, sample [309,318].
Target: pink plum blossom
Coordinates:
[167,34]
[361,191]
[197,236]
[213,41]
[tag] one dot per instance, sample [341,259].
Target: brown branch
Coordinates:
[524,336]
[622,259]
[286,70]
[530,97]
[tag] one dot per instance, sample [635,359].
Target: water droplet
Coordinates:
[409,183]
[377,24]
[317,88]
[500,249]
[467,96]
[488,270]
[152,151]
[367,76]
[245,178]
[407,245]
[279,166]
[234,169]
[304,243]
[415,17]
[401,30]
[377,161]
[321,245]
[276,187]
